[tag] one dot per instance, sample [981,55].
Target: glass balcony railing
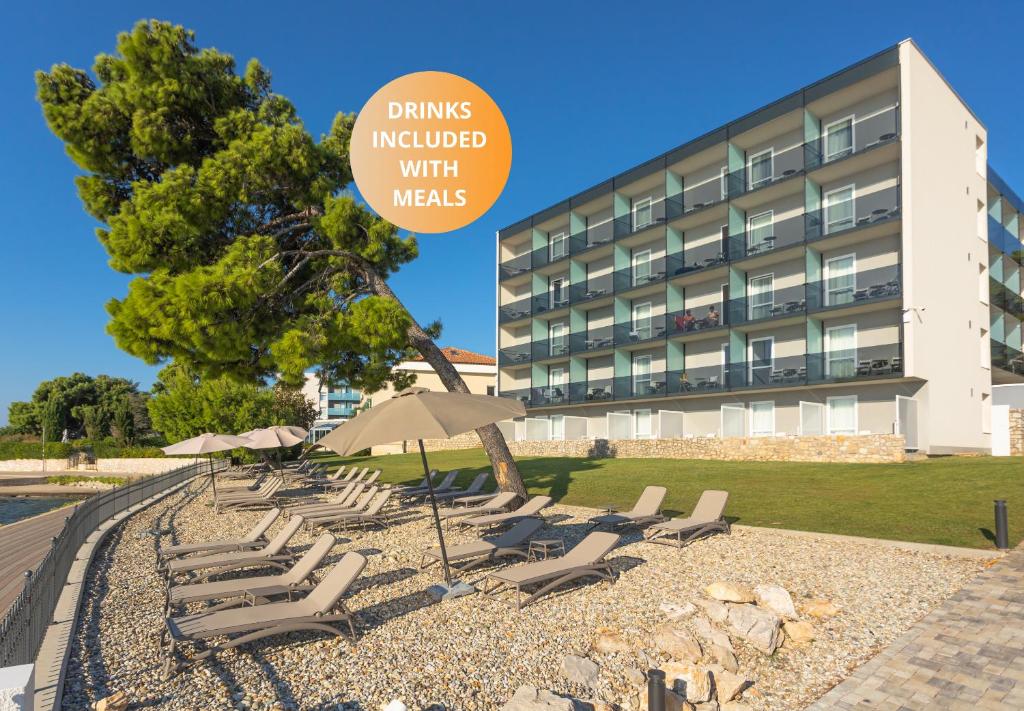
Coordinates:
[841,140]
[773,303]
[551,301]
[592,288]
[514,355]
[765,168]
[637,386]
[551,348]
[591,237]
[1002,297]
[640,274]
[515,310]
[846,210]
[855,288]
[642,217]
[691,259]
[1007,358]
[1005,241]
[521,394]
[704,194]
[344,397]
[593,340]
[516,266]
[550,253]
[642,330]
[340,411]
[765,234]
[703,379]
[693,320]
[866,362]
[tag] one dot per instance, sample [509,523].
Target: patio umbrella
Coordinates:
[419,414]
[207,443]
[273,437]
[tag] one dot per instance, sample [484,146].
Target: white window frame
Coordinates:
[551,426]
[724,181]
[827,274]
[853,137]
[750,295]
[650,261]
[648,203]
[650,369]
[750,357]
[771,168]
[563,285]
[721,416]
[724,350]
[755,433]
[650,318]
[771,223]
[826,199]
[560,238]
[828,414]
[637,434]
[826,343]
[563,333]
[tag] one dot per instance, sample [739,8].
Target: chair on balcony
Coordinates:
[776,376]
[801,373]
[897,364]
[881,366]
[860,294]
[791,374]
[864,367]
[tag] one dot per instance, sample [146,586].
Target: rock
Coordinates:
[735,706]
[118,701]
[580,670]
[777,599]
[530,698]
[715,610]
[395,705]
[609,640]
[707,706]
[799,631]
[677,612]
[440,592]
[728,685]
[677,643]
[635,676]
[728,592]
[820,609]
[757,626]
[711,634]
[691,681]
[724,657]
[599,706]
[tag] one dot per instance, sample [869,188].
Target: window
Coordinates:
[839,213]
[642,424]
[762,296]
[558,337]
[557,290]
[490,390]
[761,360]
[557,426]
[724,180]
[760,235]
[842,415]
[839,138]
[642,375]
[725,363]
[641,267]
[760,168]
[559,245]
[841,351]
[556,380]
[643,214]
[840,280]
[641,321]
[762,419]
[732,420]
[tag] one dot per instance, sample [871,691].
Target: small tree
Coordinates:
[292,408]
[93,420]
[123,424]
[253,259]
[53,419]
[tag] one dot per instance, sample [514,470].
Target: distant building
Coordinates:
[337,403]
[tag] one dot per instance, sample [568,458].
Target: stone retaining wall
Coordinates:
[860,449]
[1016,432]
[140,465]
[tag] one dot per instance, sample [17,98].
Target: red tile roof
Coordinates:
[461,355]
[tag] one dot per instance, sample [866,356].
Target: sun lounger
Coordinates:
[473,499]
[320,479]
[474,487]
[239,590]
[264,484]
[646,510]
[256,499]
[372,516]
[255,538]
[494,504]
[586,559]
[321,607]
[274,555]
[341,498]
[529,509]
[260,478]
[707,517]
[355,502]
[464,556]
[422,485]
[445,485]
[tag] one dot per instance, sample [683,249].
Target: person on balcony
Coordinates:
[712,317]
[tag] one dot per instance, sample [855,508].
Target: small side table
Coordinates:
[545,546]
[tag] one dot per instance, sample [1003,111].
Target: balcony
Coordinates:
[643,330]
[766,168]
[695,320]
[514,355]
[515,266]
[515,310]
[854,289]
[640,219]
[551,301]
[523,395]
[1007,358]
[1004,240]
[639,275]
[593,340]
[867,132]
[334,397]
[692,259]
[551,348]
[639,386]
[593,288]
[765,234]
[340,411]
[863,209]
[701,195]
[592,236]
[775,303]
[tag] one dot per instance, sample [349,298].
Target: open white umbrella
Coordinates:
[207,443]
[274,438]
[418,413]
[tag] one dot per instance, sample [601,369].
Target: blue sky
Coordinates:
[589,89]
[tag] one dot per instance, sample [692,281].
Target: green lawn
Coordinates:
[945,500]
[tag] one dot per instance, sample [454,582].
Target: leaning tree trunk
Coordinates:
[505,469]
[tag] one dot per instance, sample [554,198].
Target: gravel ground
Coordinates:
[473,653]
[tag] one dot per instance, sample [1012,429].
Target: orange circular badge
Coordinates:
[431,152]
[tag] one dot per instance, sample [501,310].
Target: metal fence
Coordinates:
[24,625]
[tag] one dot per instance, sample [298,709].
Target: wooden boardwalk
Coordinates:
[22,546]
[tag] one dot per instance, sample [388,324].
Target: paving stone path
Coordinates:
[967,654]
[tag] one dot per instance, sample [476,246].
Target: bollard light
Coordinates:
[1002,530]
[655,690]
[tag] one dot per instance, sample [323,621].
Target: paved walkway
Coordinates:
[22,546]
[966,654]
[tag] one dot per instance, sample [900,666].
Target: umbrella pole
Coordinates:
[437,519]
[213,480]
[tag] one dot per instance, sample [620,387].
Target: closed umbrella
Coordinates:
[207,443]
[418,413]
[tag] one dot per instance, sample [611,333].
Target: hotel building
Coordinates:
[842,261]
